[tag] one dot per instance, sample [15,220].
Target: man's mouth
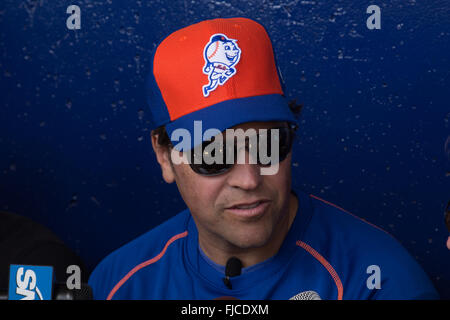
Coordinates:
[248,210]
[247,206]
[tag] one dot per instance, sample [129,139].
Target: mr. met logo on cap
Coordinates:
[221,54]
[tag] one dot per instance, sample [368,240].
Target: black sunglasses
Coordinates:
[285,138]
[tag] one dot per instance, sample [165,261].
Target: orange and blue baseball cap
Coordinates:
[221,72]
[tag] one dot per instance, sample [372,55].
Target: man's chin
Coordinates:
[250,240]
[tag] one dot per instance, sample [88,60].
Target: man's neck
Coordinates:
[252,256]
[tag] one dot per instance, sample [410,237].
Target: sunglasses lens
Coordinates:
[284,139]
[206,162]
[211,169]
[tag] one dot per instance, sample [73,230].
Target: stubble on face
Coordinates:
[220,230]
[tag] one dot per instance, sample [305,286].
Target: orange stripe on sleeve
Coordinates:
[359,218]
[145,264]
[327,266]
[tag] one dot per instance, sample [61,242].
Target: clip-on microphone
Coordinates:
[233,268]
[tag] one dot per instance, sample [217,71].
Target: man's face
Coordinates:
[239,208]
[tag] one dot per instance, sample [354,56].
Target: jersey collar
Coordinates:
[274,265]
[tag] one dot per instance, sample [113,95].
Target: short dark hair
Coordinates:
[164,140]
[163,137]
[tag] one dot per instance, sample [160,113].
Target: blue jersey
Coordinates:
[327,250]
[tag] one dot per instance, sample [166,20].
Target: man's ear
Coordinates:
[163,158]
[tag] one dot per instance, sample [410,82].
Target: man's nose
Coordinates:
[244,175]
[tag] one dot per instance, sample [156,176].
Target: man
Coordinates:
[245,234]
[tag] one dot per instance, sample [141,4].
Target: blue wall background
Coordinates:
[75,152]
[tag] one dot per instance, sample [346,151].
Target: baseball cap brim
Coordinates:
[230,113]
